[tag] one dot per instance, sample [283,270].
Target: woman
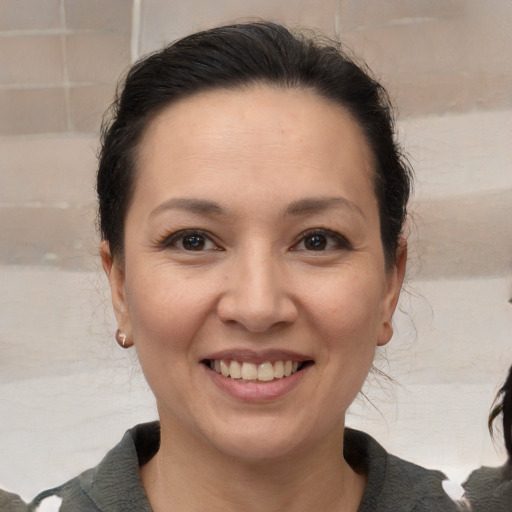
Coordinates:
[491,488]
[252,201]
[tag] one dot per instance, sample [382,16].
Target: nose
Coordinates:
[257,296]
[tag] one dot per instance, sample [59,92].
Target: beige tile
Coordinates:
[30,60]
[29,14]
[27,111]
[53,237]
[53,301]
[319,16]
[164,21]
[435,57]
[48,170]
[97,57]
[422,94]
[365,14]
[111,15]
[465,236]
[88,103]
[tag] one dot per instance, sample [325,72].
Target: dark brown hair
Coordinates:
[503,405]
[237,56]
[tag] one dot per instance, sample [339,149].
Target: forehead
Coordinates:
[255,137]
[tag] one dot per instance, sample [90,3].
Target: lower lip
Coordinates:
[255,391]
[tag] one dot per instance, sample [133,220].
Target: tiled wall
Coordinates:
[66,388]
[59,60]
[47,202]
[59,64]
[163,21]
[437,57]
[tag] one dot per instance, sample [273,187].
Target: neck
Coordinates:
[195,477]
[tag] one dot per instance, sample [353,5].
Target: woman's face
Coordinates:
[252,249]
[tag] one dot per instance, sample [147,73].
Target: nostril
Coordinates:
[256,320]
[256,302]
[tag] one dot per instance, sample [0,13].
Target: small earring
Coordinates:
[121,339]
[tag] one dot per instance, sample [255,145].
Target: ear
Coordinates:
[394,280]
[115,274]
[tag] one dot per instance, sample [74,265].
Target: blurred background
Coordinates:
[67,392]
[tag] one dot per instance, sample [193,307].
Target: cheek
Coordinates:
[347,321]
[165,322]
[165,313]
[347,308]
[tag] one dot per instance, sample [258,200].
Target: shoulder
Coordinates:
[490,489]
[114,485]
[48,502]
[394,484]
[421,487]
[10,502]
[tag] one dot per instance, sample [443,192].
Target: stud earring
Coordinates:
[121,339]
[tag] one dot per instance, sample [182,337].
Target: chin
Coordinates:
[260,442]
[256,448]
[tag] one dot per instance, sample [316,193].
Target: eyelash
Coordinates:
[171,241]
[338,241]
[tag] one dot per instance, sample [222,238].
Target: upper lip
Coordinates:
[257,357]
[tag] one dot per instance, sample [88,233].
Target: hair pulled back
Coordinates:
[239,56]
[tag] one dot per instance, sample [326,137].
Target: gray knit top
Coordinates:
[393,485]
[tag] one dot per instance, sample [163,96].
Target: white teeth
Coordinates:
[279,369]
[224,369]
[246,371]
[235,370]
[265,371]
[249,371]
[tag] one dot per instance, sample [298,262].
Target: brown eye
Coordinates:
[315,242]
[320,240]
[193,243]
[189,240]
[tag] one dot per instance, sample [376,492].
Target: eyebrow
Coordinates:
[199,206]
[310,205]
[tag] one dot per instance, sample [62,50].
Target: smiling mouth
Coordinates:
[251,372]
